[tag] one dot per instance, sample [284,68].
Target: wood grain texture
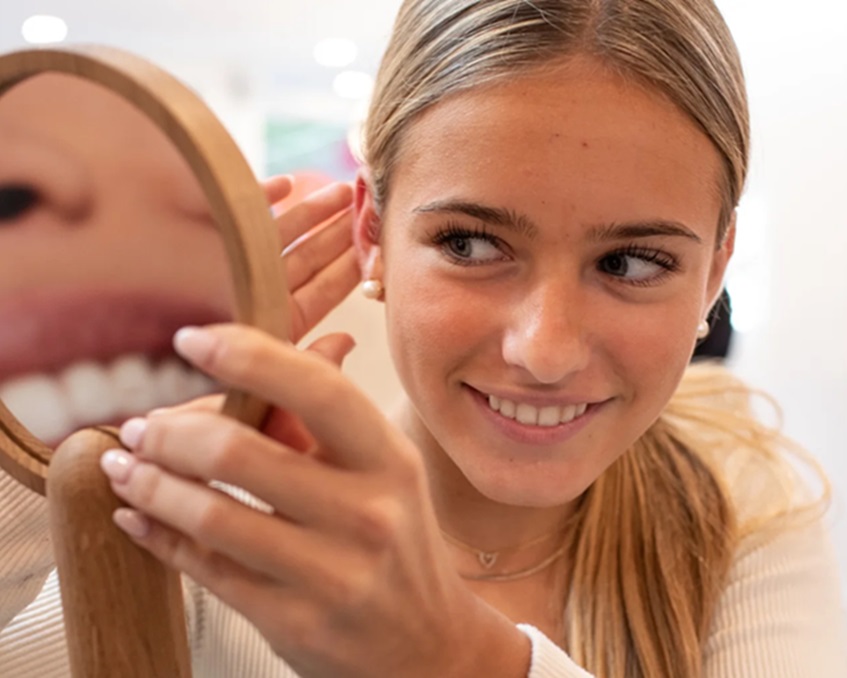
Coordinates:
[22,455]
[123,609]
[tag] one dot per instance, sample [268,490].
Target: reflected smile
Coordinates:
[92,393]
[72,359]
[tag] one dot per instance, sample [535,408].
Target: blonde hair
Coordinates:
[654,536]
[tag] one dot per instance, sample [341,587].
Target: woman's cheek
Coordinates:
[650,349]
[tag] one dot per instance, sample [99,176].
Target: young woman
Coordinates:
[547,212]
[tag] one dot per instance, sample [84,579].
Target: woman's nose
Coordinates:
[547,334]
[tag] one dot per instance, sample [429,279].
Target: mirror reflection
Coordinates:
[107,247]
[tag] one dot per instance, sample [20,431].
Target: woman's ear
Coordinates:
[720,262]
[367,229]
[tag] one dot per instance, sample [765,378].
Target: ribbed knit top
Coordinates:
[779,617]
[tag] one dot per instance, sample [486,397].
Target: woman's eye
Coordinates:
[638,267]
[468,247]
[15,201]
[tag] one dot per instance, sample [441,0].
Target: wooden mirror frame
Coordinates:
[123,610]
[237,203]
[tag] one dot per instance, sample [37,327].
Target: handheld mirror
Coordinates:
[126,212]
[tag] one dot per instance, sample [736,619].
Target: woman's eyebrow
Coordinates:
[641,229]
[495,216]
[499,216]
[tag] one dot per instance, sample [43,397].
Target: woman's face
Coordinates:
[548,250]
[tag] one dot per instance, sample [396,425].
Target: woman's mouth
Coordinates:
[530,415]
[71,360]
[538,423]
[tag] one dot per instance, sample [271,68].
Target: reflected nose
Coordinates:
[547,335]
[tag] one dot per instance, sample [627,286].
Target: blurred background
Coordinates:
[290,80]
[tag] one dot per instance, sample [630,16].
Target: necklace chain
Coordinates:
[487,559]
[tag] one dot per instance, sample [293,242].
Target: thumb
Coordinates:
[334,347]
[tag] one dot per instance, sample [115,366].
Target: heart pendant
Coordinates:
[487,560]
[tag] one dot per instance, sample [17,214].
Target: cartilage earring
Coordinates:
[373,289]
[703,329]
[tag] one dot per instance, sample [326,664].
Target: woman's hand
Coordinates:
[346,573]
[316,237]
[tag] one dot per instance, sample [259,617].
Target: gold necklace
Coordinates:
[489,558]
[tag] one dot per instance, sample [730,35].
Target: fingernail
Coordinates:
[195,344]
[117,464]
[132,432]
[133,522]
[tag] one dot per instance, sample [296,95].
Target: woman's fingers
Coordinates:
[320,262]
[209,403]
[334,347]
[259,541]
[212,448]
[278,188]
[233,583]
[312,211]
[311,253]
[340,416]
[326,290]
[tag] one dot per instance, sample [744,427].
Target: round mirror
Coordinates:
[107,247]
[125,213]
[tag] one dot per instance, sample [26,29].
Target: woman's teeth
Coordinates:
[87,393]
[549,416]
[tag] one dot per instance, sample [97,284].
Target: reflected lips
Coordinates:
[69,360]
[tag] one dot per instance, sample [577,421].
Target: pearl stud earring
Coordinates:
[373,289]
[703,329]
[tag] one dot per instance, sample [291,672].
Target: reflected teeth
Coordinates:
[86,393]
[549,416]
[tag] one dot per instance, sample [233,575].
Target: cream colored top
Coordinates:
[780,616]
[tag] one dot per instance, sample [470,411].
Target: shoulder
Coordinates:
[780,614]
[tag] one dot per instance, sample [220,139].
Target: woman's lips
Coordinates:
[69,360]
[534,434]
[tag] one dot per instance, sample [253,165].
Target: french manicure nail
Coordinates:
[117,464]
[194,343]
[132,522]
[132,432]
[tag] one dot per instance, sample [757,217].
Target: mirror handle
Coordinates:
[146,635]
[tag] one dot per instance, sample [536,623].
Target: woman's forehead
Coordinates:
[578,99]
[581,135]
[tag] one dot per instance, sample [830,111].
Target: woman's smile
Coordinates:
[534,424]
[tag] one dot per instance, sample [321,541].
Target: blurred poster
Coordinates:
[297,145]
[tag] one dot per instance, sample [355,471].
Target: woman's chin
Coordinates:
[538,487]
